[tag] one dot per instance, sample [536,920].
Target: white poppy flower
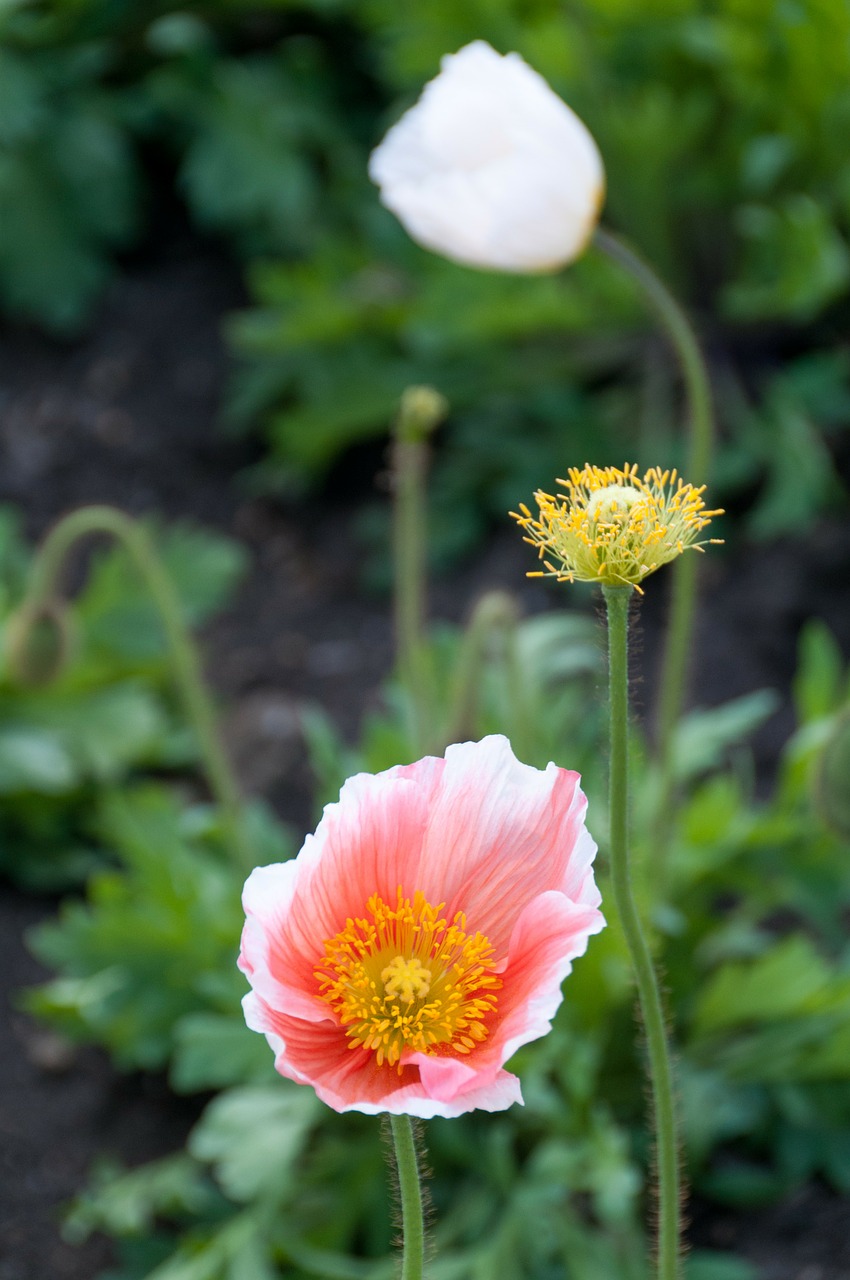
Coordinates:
[491,168]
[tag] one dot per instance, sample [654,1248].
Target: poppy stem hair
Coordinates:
[617,601]
[410,1192]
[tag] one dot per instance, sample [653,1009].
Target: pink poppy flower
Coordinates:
[423,933]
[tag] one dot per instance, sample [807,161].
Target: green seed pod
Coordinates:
[39,643]
[832,778]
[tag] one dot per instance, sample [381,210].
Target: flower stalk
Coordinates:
[678,645]
[185,662]
[420,412]
[410,1192]
[649,996]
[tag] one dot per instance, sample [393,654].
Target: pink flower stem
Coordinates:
[185,662]
[410,1191]
[617,600]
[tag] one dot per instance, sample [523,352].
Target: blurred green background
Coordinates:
[723,127]
[724,130]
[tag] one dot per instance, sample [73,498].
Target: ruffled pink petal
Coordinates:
[499,834]
[479,831]
[348,1079]
[549,935]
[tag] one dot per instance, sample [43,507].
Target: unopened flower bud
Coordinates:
[39,643]
[421,411]
[491,168]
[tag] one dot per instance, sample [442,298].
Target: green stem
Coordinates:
[682,337]
[667,1160]
[410,1189]
[494,620]
[45,574]
[674,670]
[410,464]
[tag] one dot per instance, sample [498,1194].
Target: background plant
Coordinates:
[760,1008]
[720,128]
[109,713]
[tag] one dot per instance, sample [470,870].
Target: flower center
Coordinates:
[613,503]
[404,978]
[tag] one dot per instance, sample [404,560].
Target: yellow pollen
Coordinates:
[404,977]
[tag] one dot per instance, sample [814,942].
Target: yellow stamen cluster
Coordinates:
[615,527]
[403,977]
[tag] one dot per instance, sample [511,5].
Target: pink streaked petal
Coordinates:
[499,834]
[495,1093]
[260,961]
[478,831]
[550,934]
[444,1079]
[369,842]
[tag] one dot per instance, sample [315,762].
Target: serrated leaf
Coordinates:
[127,1203]
[703,737]
[253,1137]
[213,1051]
[787,980]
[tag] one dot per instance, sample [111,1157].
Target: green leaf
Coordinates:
[703,737]
[819,681]
[214,1051]
[253,1137]
[116,611]
[795,260]
[33,759]
[789,979]
[128,1203]
[706,1265]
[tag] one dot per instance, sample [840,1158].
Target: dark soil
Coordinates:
[127,416]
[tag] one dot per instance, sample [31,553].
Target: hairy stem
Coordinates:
[649,995]
[410,1189]
[677,651]
[45,574]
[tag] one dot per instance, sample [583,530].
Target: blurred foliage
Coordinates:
[110,711]
[750,916]
[722,129]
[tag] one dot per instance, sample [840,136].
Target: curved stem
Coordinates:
[677,650]
[682,337]
[649,995]
[186,665]
[413,1225]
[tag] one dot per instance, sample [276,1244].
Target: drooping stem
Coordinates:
[649,995]
[44,577]
[674,670]
[682,337]
[410,1191]
[421,410]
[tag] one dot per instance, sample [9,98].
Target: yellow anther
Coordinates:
[408,979]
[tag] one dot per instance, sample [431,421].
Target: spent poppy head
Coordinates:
[422,934]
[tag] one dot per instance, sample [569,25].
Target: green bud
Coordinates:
[39,643]
[421,411]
